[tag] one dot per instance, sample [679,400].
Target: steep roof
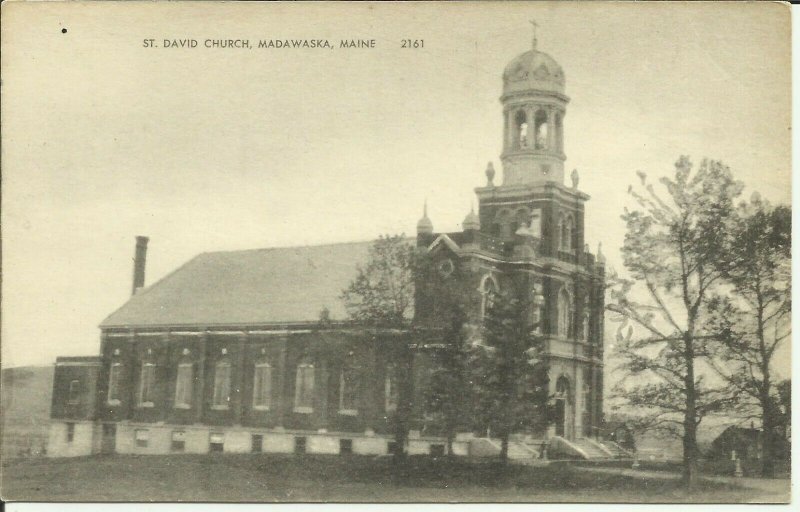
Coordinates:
[261,286]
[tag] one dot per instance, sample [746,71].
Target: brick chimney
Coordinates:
[139,260]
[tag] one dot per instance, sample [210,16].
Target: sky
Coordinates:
[224,149]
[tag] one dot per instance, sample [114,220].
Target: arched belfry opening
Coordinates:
[541,129]
[520,130]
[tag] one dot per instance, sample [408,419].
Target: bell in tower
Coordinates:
[534,105]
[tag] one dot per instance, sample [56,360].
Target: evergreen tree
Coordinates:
[509,372]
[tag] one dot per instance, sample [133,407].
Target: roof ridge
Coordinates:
[329,244]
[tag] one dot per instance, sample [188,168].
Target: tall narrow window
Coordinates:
[586,325]
[348,391]
[391,389]
[113,382]
[521,125]
[564,313]
[222,385]
[566,233]
[74,395]
[262,386]
[147,385]
[559,133]
[304,388]
[70,432]
[183,386]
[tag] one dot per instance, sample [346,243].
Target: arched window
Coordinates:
[391,389]
[348,390]
[184,381]
[262,386]
[488,291]
[541,129]
[521,130]
[222,385]
[304,388]
[562,388]
[559,133]
[147,384]
[113,383]
[564,313]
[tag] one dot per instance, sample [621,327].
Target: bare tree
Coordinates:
[670,248]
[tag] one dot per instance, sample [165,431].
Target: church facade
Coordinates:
[251,351]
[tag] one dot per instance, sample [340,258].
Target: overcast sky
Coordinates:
[205,150]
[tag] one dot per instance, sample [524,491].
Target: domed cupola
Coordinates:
[471,221]
[533,70]
[534,106]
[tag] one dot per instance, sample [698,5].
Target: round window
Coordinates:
[446,267]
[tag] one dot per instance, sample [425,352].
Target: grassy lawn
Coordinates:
[264,478]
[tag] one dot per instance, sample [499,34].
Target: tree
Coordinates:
[382,296]
[753,317]
[670,249]
[444,319]
[509,372]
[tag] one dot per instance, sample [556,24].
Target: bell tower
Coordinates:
[534,106]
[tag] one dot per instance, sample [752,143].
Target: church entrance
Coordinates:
[562,401]
[561,416]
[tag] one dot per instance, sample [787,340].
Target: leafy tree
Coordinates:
[382,295]
[753,318]
[509,372]
[670,249]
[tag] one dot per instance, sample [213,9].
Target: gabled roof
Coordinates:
[261,286]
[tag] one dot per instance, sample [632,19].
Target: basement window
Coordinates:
[178,441]
[299,445]
[142,437]
[256,443]
[216,442]
[345,446]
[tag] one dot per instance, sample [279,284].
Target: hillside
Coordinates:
[25,409]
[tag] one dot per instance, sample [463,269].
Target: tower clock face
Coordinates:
[446,267]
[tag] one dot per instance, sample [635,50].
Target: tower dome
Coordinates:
[533,70]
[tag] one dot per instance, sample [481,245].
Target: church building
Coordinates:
[252,351]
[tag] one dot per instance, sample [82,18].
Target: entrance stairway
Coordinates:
[616,450]
[517,450]
[580,448]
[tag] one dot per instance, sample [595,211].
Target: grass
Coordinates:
[269,478]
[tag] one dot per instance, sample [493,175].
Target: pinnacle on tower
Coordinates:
[425,226]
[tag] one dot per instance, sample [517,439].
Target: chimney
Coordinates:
[139,259]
